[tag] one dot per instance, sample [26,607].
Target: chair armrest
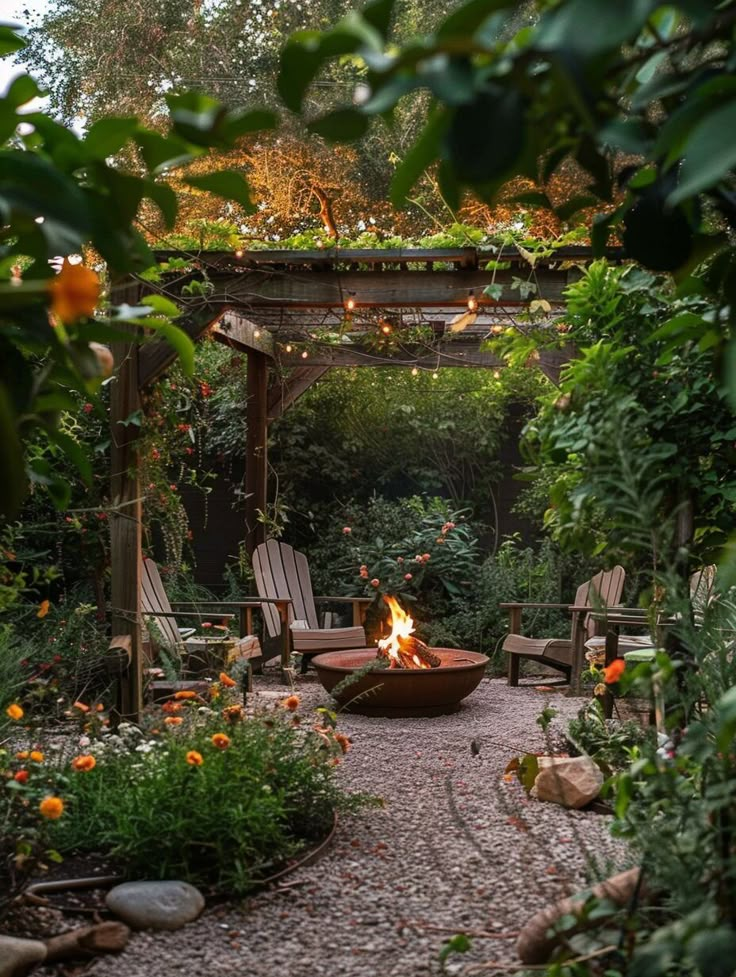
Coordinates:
[222,617]
[253,602]
[514,605]
[346,600]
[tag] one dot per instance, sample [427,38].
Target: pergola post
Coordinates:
[126,526]
[256,459]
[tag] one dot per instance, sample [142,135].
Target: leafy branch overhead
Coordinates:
[600,83]
[60,193]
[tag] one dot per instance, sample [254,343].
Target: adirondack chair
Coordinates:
[210,650]
[564,654]
[702,588]
[283,573]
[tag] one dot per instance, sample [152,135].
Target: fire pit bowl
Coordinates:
[402,691]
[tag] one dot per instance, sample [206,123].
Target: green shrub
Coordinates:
[612,744]
[515,573]
[226,821]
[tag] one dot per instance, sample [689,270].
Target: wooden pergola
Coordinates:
[305,312]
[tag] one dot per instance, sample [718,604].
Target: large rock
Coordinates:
[570,781]
[155,905]
[18,957]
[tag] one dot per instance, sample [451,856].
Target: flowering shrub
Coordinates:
[431,556]
[205,793]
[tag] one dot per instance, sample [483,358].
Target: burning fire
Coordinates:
[401,649]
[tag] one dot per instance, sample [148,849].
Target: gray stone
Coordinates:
[569,781]
[18,957]
[155,905]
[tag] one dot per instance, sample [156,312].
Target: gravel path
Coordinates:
[455,848]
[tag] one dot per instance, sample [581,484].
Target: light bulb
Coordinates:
[385,328]
[435,376]
[256,333]
[496,374]
[305,354]
[350,304]
[238,254]
[472,303]
[414,371]
[289,348]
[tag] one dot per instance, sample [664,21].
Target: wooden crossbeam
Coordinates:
[236,330]
[250,290]
[450,354]
[286,392]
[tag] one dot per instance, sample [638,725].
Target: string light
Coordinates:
[414,371]
[386,328]
[238,254]
[256,333]
[496,374]
[305,354]
[289,348]
[350,304]
[435,376]
[472,303]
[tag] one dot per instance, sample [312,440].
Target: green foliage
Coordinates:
[359,431]
[640,427]
[611,743]
[233,819]
[57,190]
[514,573]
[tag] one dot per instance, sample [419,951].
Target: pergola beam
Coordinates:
[252,290]
[285,393]
[451,354]
[235,330]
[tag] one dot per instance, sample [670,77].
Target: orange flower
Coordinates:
[23,755]
[227,682]
[43,608]
[173,720]
[185,694]
[343,742]
[51,808]
[221,741]
[81,706]
[291,703]
[194,758]
[233,714]
[21,776]
[171,707]
[613,672]
[14,711]
[36,756]
[74,292]
[84,763]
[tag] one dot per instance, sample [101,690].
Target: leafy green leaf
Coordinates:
[10,41]
[464,21]
[419,157]
[230,184]
[178,339]
[486,138]
[13,484]
[709,153]
[341,125]
[108,136]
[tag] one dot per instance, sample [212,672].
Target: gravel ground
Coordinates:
[455,848]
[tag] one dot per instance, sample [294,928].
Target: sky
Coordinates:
[11,12]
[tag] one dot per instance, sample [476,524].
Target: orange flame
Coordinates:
[401,627]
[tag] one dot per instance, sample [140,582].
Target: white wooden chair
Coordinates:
[564,654]
[282,573]
[207,650]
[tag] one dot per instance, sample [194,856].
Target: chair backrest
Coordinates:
[702,591]
[281,571]
[154,602]
[602,590]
